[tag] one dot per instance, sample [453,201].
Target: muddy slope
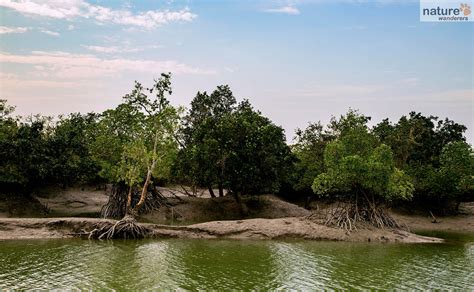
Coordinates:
[186,210]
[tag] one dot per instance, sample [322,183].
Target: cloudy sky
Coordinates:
[297,61]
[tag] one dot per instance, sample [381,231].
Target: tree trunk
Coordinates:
[129,199]
[221,190]
[211,192]
[140,203]
[308,202]
[116,206]
[243,208]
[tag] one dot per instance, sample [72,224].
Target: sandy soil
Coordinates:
[73,202]
[187,210]
[77,202]
[292,227]
[463,223]
[36,228]
[87,202]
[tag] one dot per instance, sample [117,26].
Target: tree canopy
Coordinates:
[231,146]
[358,165]
[418,142]
[37,151]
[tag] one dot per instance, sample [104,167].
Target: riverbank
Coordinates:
[461,223]
[62,213]
[281,228]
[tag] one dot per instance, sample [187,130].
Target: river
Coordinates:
[234,264]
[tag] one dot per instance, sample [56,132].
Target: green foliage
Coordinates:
[23,155]
[259,158]
[37,151]
[418,139]
[357,165]
[115,128]
[353,119]
[5,109]
[132,166]
[418,143]
[454,178]
[9,170]
[138,135]
[311,143]
[68,149]
[231,146]
[309,151]
[205,137]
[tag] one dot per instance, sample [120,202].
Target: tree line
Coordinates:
[229,146]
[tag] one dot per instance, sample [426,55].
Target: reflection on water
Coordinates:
[297,268]
[226,264]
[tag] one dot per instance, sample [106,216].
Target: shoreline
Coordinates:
[269,229]
[269,218]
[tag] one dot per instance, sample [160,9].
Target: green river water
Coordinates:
[234,264]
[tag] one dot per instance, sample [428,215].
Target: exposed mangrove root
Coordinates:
[349,215]
[116,206]
[126,228]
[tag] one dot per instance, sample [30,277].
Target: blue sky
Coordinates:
[297,61]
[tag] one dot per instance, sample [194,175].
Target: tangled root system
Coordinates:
[349,215]
[126,228]
[116,206]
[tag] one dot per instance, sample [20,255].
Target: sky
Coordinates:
[296,61]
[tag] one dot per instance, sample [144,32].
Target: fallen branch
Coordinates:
[434,218]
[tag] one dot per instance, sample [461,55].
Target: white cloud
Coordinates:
[285,10]
[70,9]
[6,29]
[15,81]
[111,49]
[117,49]
[149,19]
[49,32]
[48,8]
[64,65]
[70,27]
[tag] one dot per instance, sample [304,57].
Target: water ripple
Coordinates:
[226,265]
